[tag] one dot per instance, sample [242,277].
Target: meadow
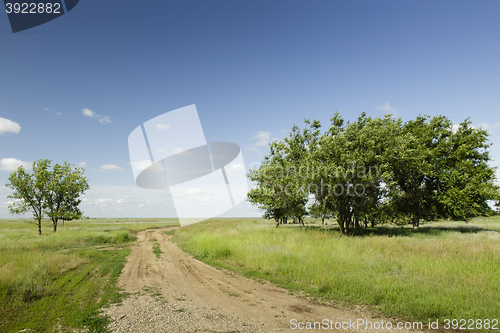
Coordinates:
[59,281]
[445,270]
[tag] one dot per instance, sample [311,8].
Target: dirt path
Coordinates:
[194,297]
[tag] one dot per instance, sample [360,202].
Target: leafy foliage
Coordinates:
[377,170]
[46,193]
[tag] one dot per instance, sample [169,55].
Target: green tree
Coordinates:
[30,191]
[47,193]
[64,188]
[435,173]
[377,170]
[468,181]
[282,179]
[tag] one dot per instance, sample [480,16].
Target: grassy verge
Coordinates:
[58,282]
[447,270]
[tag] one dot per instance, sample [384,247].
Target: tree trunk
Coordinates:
[323,219]
[342,226]
[277,222]
[356,222]
[366,222]
[415,222]
[54,222]
[39,226]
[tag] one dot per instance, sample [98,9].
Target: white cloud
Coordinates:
[91,114]
[81,164]
[487,126]
[7,126]
[263,138]
[141,164]
[193,191]
[104,120]
[119,201]
[236,167]
[11,164]
[162,126]
[110,167]
[387,107]
[88,113]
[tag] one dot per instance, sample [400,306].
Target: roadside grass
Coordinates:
[59,281]
[156,250]
[444,270]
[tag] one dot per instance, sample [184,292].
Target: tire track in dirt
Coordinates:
[259,307]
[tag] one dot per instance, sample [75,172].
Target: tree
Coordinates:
[378,170]
[435,173]
[47,193]
[468,182]
[29,191]
[63,193]
[282,179]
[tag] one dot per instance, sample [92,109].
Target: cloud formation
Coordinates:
[8,126]
[487,126]
[263,138]
[11,164]
[110,167]
[91,114]
[387,108]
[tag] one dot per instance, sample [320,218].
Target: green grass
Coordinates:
[156,250]
[62,279]
[445,270]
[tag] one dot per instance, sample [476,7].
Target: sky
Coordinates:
[74,89]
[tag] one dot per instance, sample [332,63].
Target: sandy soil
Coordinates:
[194,297]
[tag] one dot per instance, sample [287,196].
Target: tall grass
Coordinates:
[436,273]
[62,278]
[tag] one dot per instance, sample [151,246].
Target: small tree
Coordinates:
[29,191]
[64,187]
[47,193]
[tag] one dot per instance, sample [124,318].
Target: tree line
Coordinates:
[48,193]
[377,170]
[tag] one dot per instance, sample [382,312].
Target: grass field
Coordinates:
[57,282]
[444,270]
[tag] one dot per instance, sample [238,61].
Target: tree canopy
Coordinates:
[48,193]
[377,170]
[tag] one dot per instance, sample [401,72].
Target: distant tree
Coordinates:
[64,188]
[47,193]
[30,191]
[376,171]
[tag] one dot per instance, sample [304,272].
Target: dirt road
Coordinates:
[177,293]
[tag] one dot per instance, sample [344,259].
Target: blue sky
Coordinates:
[253,69]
